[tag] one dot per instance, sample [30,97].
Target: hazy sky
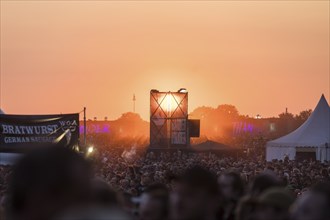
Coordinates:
[59,56]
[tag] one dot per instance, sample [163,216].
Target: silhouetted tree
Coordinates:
[201,112]
[228,110]
[286,115]
[303,115]
[216,123]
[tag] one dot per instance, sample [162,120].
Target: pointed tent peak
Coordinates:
[313,132]
[1,112]
[322,109]
[322,97]
[322,102]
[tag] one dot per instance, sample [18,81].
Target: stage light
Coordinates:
[90,150]
[76,148]
[182,90]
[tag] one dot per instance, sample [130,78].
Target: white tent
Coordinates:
[2,112]
[311,136]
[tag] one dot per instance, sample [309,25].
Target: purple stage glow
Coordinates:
[95,129]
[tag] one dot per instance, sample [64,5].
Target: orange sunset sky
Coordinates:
[59,56]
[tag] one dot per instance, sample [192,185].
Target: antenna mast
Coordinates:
[134,99]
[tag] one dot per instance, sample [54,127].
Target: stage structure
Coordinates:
[169,124]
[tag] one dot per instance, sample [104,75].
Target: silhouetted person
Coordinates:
[246,208]
[231,189]
[154,203]
[313,205]
[103,195]
[96,213]
[274,204]
[47,182]
[263,182]
[195,196]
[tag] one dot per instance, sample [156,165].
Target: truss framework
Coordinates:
[168,119]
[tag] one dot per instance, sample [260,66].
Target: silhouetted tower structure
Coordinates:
[169,124]
[169,119]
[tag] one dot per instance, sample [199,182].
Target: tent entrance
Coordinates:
[305,153]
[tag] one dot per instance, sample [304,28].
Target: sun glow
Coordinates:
[170,103]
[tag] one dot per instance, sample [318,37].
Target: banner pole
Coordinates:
[85,128]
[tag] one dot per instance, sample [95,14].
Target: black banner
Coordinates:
[22,132]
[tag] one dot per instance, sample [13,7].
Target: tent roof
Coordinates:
[210,145]
[1,112]
[315,131]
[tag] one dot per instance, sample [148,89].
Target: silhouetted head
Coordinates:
[263,182]
[96,213]
[46,182]
[231,186]
[274,204]
[195,196]
[246,208]
[154,203]
[102,194]
[313,205]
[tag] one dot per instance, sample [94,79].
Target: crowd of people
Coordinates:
[113,183]
[129,172]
